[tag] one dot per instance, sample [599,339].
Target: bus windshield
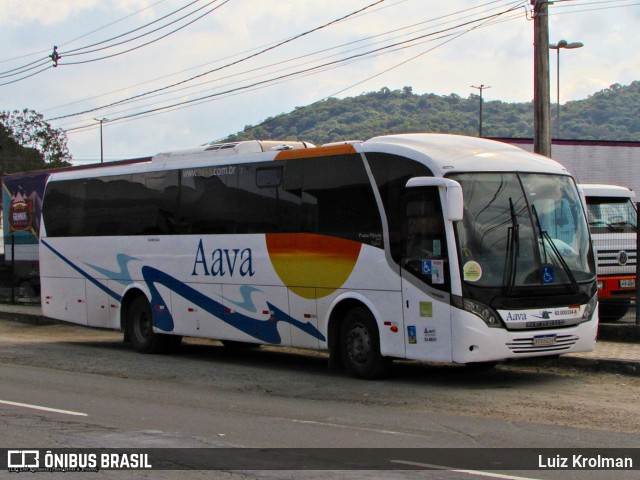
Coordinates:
[522,230]
[611,214]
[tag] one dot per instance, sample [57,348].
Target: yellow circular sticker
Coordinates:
[472,271]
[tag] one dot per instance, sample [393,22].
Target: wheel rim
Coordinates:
[359,344]
[143,327]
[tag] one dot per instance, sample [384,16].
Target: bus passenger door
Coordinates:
[425,277]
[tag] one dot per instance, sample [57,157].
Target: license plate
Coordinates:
[545,339]
[631,283]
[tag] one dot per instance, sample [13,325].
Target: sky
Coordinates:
[165,75]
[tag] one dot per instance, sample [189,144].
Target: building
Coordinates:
[594,161]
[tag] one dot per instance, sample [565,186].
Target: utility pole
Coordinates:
[481,87]
[541,97]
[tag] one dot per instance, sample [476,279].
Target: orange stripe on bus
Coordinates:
[344,149]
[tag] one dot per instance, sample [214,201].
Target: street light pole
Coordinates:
[557,46]
[481,87]
[101,120]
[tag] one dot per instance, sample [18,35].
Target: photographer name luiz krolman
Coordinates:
[557,462]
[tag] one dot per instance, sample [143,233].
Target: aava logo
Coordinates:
[223,261]
[516,317]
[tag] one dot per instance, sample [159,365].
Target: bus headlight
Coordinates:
[590,309]
[486,313]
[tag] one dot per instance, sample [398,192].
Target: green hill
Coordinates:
[611,114]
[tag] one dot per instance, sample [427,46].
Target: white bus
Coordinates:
[421,246]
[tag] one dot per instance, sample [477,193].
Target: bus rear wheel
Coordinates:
[140,330]
[360,346]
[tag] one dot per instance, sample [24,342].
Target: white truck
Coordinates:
[611,212]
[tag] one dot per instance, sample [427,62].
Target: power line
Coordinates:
[85,34]
[368,12]
[150,93]
[26,76]
[488,22]
[289,40]
[393,47]
[25,68]
[592,9]
[55,56]
[405,34]
[269,82]
[491,20]
[77,51]
[305,72]
[113,23]
[577,6]
[151,41]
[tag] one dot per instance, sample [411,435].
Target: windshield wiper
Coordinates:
[613,226]
[544,235]
[619,226]
[513,251]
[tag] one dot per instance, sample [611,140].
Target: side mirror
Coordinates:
[454,207]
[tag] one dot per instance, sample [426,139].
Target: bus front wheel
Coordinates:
[360,346]
[140,330]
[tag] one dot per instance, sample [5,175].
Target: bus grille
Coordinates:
[526,345]
[609,258]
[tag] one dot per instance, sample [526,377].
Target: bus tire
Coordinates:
[360,346]
[140,330]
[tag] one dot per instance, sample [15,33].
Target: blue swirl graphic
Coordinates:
[263,330]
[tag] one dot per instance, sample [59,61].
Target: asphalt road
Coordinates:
[71,387]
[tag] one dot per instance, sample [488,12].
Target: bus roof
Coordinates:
[233,148]
[442,153]
[445,153]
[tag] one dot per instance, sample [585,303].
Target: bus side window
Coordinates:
[391,173]
[207,203]
[336,198]
[63,209]
[263,205]
[424,243]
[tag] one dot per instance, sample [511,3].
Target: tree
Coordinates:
[29,130]
[612,114]
[15,158]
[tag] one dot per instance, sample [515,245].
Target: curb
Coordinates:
[580,362]
[623,367]
[629,333]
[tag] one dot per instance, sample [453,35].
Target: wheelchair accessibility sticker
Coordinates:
[548,275]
